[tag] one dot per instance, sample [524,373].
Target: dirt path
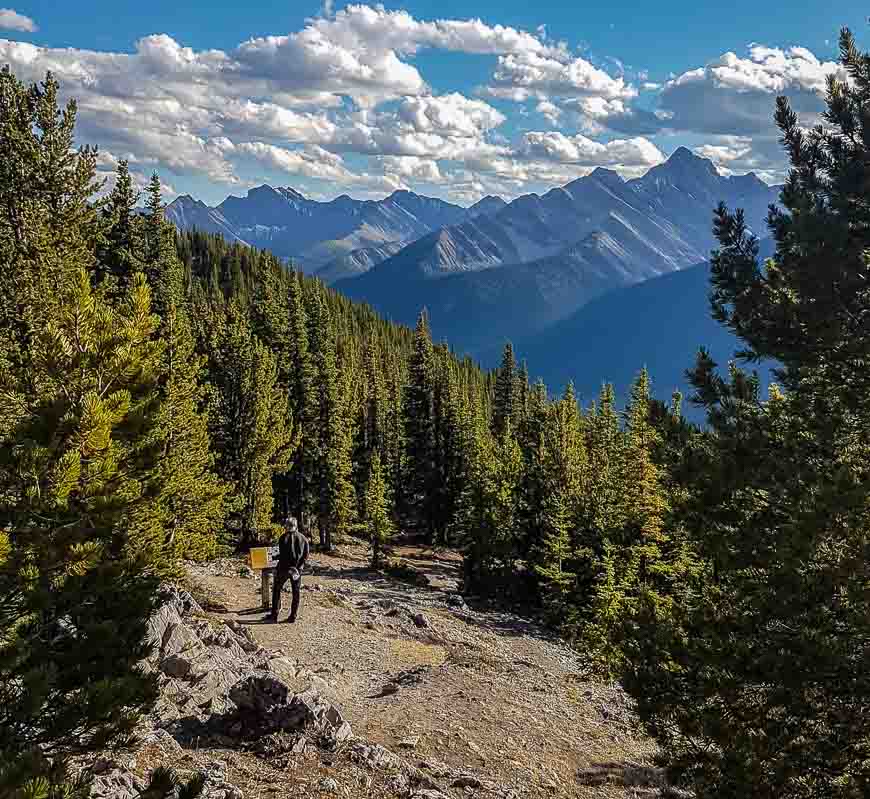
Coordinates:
[468,686]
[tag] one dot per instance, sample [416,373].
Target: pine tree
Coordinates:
[50,225]
[336,510]
[79,400]
[379,525]
[75,593]
[505,400]
[418,511]
[754,680]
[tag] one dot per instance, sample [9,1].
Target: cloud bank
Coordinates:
[342,105]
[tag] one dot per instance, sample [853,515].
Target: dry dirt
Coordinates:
[478,689]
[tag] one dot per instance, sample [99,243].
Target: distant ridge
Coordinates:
[342,238]
[540,258]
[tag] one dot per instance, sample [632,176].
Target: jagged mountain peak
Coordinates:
[684,164]
[186,199]
[604,175]
[491,204]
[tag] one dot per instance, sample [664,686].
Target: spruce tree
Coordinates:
[755,681]
[75,593]
[379,524]
[251,427]
[418,511]
[505,399]
[304,401]
[562,465]
[192,499]
[119,258]
[336,508]
[632,559]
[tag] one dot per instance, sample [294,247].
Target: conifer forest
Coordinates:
[169,396]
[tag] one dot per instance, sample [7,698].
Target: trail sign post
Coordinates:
[264,560]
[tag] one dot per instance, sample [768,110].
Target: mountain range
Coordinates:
[530,270]
[343,237]
[540,258]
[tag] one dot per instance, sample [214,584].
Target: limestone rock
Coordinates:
[176,666]
[260,693]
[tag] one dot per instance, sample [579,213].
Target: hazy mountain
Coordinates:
[488,205]
[187,213]
[357,262]
[659,323]
[542,257]
[317,233]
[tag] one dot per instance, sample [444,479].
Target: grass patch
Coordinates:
[417,653]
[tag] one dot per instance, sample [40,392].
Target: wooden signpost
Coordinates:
[264,560]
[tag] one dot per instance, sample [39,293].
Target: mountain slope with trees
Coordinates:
[605,340]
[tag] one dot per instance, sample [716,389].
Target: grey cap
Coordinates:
[292,525]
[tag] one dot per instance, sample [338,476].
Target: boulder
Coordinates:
[260,693]
[457,602]
[176,666]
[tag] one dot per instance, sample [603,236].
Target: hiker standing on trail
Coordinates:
[293,550]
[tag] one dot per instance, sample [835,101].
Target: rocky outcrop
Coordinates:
[217,684]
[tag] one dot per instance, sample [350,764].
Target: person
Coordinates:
[293,548]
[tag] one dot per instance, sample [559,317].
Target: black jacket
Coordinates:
[292,551]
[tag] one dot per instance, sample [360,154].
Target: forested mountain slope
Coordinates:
[659,324]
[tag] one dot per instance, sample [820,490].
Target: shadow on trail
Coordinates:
[646,781]
[503,622]
[365,574]
[250,611]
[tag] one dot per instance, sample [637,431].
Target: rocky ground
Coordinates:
[383,688]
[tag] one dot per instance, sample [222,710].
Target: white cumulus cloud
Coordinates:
[11,20]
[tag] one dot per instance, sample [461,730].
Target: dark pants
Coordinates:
[281,577]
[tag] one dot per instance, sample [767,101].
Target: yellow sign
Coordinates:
[264,557]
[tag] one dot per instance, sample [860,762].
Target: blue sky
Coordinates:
[365,98]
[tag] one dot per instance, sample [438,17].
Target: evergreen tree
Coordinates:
[371,421]
[418,505]
[755,680]
[562,465]
[533,484]
[632,559]
[379,525]
[75,595]
[304,401]
[336,510]
[50,226]
[192,499]
[79,403]
[250,423]
[487,513]
[119,258]
[505,398]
